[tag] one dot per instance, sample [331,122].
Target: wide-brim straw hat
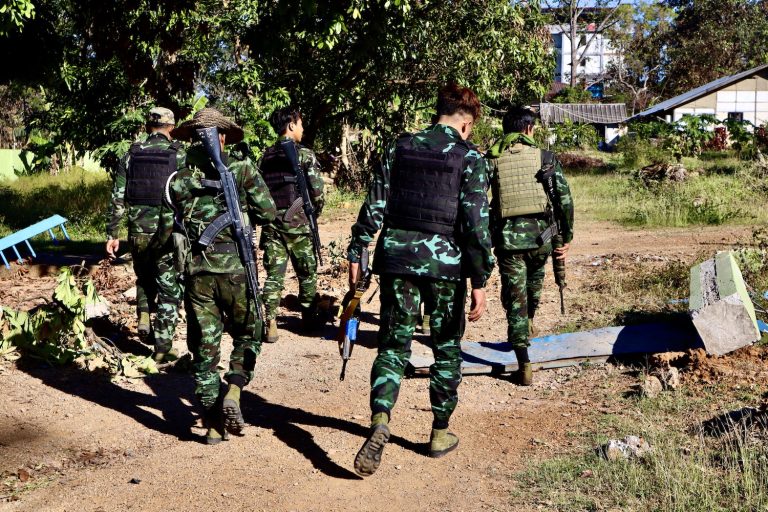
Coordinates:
[208,118]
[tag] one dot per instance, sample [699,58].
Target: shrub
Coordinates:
[570,135]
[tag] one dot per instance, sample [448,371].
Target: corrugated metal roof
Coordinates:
[699,91]
[599,113]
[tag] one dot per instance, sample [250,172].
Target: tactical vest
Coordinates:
[516,187]
[279,177]
[148,171]
[424,188]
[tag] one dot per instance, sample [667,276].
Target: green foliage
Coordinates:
[573,95]
[56,332]
[570,135]
[365,63]
[637,152]
[14,13]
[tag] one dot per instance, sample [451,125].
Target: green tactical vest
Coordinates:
[516,187]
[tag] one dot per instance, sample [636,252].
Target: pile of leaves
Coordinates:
[57,332]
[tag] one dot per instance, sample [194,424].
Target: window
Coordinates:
[736,116]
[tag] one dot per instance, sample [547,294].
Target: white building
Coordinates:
[743,96]
[598,56]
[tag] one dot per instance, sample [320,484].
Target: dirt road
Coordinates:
[73,441]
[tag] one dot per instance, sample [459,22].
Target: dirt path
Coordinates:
[73,441]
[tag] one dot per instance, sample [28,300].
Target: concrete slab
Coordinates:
[720,307]
[568,349]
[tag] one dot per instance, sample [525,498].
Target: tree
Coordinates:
[371,63]
[14,13]
[714,38]
[577,18]
[640,38]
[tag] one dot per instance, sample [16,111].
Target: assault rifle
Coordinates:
[350,318]
[305,201]
[243,233]
[546,176]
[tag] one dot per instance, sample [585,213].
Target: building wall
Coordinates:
[598,56]
[748,96]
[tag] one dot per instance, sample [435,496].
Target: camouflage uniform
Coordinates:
[416,266]
[520,256]
[156,279]
[216,283]
[285,239]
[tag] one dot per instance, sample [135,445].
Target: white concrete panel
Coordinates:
[745,106]
[762,96]
[723,106]
[727,96]
[700,111]
[680,112]
[762,118]
[749,116]
[745,96]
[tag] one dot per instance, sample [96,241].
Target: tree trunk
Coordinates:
[574,44]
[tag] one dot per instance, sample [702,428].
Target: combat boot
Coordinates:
[272,332]
[165,356]
[144,324]
[233,416]
[524,375]
[425,325]
[368,458]
[441,442]
[213,421]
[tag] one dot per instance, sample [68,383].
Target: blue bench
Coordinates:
[11,241]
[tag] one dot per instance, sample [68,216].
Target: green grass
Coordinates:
[342,199]
[703,200]
[686,471]
[80,196]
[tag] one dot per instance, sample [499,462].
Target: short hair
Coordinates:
[453,98]
[517,119]
[282,117]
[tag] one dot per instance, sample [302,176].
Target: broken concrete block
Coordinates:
[669,377]
[651,387]
[629,447]
[720,307]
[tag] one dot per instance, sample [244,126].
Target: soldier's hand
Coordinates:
[112,247]
[354,269]
[477,307]
[562,252]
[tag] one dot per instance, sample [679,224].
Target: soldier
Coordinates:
[289,237]
[429,196]
[215,277]
[520,213]
[139,183]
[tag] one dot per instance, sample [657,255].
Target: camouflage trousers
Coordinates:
[278,249]
[401,297]
[522,274]
[212,300]
[158,287]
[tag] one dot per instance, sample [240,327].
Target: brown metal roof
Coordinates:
[592,113]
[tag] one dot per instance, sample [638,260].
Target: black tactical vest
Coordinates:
[424,188]
[279,177]
[148,171]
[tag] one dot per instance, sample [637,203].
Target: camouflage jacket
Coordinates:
[520,233]
[197,206]
[406,252]
[308,162]
[141,219]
